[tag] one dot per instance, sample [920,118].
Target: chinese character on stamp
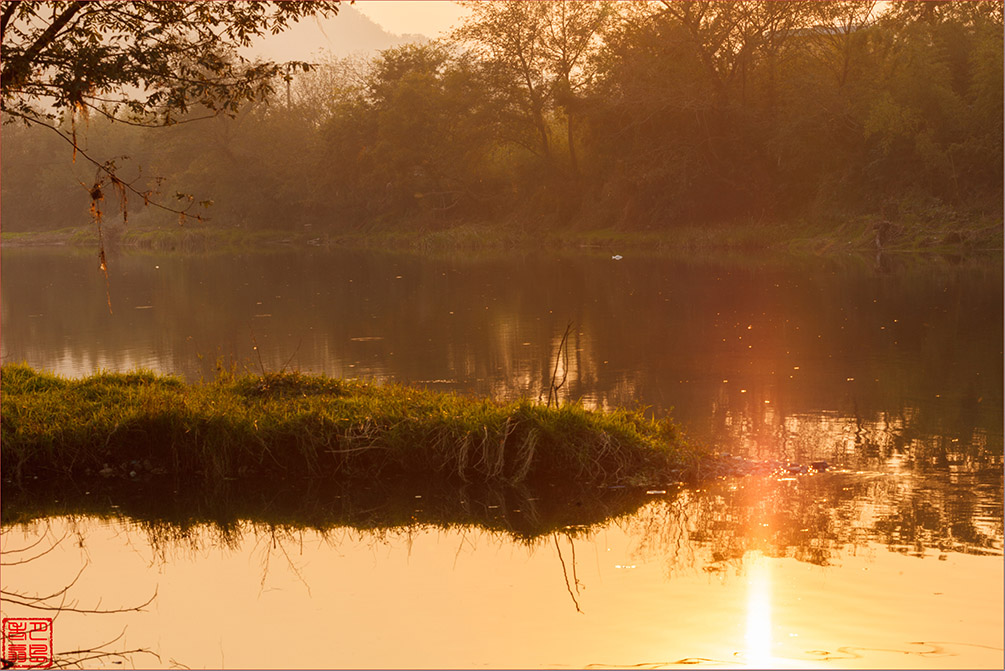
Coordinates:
[27,642]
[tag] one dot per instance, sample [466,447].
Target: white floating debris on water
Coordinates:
[656,491]
[624,566]
[143,307]
[617,257]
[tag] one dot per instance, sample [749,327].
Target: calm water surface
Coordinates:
[891,372]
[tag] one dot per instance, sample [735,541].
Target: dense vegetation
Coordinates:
[596,115]
[298,426]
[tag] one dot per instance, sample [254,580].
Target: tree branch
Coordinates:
[8,12]
[104,167]
[139,124]
[32,52]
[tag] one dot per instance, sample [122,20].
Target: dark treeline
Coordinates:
[627,115]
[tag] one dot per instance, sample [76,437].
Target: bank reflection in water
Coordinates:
[837,568]
[737,351]
[663,330]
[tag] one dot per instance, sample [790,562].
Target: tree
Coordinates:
[539,52]
[140,63]
[571,37]
[935,127]
[412,135]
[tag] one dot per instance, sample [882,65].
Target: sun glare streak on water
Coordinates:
[758,633]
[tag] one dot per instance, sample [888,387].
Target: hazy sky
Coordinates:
[426,17]
[343,34]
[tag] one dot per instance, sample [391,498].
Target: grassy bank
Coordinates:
[297,426]
[191,238]
[927,233]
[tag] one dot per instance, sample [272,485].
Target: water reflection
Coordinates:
[893,378]
[818,518]
[776,360]
[759,632]
[811,518]
[757,571]
[695,336]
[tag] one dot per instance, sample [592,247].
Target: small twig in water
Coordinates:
[283,369]
[258,352]
[562,355]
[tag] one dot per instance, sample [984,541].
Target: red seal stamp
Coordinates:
[27,642]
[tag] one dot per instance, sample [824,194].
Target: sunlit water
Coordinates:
[892,373]
[465,597]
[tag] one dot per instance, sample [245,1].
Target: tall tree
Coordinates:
[540,55]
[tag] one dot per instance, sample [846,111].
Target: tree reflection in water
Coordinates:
[62,600]
[814,518]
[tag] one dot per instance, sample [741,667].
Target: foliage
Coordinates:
[626,116]
[731,109]
[411,138]
[138,63]
[151,60]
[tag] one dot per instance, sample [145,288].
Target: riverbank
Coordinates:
[290,425]
[930,234]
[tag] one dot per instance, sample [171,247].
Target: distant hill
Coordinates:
[351,32]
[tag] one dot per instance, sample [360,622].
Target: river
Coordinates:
[890,370]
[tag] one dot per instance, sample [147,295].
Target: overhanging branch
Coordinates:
[32,52]
[8,12]
[108,170]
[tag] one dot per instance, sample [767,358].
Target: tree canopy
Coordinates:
[151,60]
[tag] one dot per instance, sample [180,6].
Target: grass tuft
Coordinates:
[294,425]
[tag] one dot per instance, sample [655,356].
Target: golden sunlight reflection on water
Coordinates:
[758,635]
[466,597]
